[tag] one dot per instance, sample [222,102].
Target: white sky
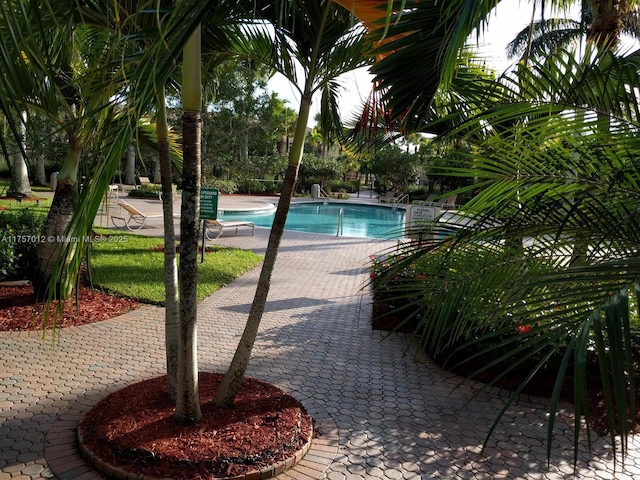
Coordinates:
[511,17]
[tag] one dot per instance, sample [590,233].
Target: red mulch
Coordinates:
[18,309]
[134,429]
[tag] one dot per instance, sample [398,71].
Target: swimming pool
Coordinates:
[368,221]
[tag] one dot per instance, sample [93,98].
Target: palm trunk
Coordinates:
[130,173]
[41,175]
[171,310]
[230,385]
[187,402]
[20,186]
[64,203]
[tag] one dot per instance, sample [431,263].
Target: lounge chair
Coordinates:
[445,203]
[214,228]
[389,197]
[144,181]
[136,219]
[428,201]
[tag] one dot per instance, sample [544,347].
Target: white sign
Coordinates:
[417,214]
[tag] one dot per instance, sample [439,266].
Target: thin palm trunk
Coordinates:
[225,396]
[232,380]
[187,403]
[171,312]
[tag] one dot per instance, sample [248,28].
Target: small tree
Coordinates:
[394,168]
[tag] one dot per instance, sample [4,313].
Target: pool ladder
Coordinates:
[339,231]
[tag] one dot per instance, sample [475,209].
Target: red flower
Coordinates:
[524,328]
[373,276]
[420,276]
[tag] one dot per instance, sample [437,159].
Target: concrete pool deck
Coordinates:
[386,411]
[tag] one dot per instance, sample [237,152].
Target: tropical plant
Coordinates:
[324,40]
[539,264]
[187,401]
[546,35]
[543,255]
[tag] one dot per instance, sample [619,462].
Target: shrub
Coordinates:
[419,193]
[272,187]
[147,190]
[19,235]
[250,185]
[337,185]
[223,186]
[7,254]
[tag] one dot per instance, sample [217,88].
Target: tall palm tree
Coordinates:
[19,185]
[323,39]
[187,402]
[171,304]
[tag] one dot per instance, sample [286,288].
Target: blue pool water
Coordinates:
[368,221]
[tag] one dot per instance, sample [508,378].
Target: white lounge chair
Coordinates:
[136,219]
[389,197]
[214,228]
[445,203]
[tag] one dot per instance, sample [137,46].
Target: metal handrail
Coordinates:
[339,231]
[400,199]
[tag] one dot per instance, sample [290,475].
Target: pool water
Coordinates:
[365,221]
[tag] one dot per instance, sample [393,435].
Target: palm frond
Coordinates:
[536,264]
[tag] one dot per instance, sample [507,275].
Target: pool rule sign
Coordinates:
[208,203]
[208,211]
[417,215]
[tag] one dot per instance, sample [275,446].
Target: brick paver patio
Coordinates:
[385,411]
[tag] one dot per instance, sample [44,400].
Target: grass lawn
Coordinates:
[128,265]
[5,183]
[41,208]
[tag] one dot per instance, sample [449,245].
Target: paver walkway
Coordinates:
[395,414]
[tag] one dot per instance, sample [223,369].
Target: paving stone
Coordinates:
[394,412]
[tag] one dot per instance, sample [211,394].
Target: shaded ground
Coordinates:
[540,385]
[133,428]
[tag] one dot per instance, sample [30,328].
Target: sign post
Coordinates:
[208,211]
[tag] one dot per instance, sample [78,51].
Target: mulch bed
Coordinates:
[133,429]
[19,311]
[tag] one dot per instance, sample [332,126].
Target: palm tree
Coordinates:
[171,304]
[546,35]
[47,64]
[187,402]
[547,171]
[326,43]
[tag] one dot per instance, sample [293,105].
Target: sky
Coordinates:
[511,16]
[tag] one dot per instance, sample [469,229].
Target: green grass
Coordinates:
[127,265]
[5,182]
[42,208]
